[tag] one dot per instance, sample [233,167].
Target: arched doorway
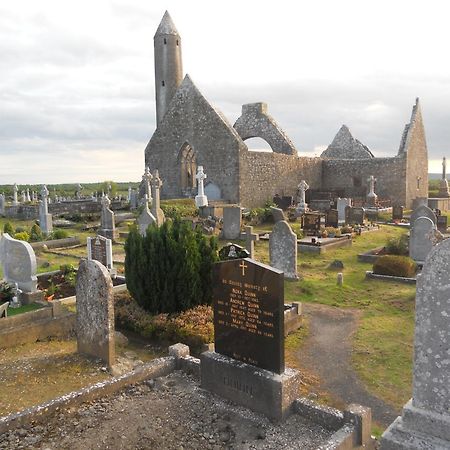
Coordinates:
[188,170]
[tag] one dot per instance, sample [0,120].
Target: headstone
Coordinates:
[277,214]
[397,213]
[421,238]
[425,421]
[311,222]
[233,251]
[247,366]
[156,210]
[133,199]
[45,219]
[422,211]
[232,220]
[442,223]
[250,239]
[283,249]
[340,279]
[2,204]
[99,249]
[145,219]
[354,215]
[332,218]
[108,223]
[301,198]
[95,312]
[129,193]
[24,197]
[342,203]
[78,192]
[200,199]
[15,191]
[249,313]
[19,263]
[284,202]
[28,195]
[372,198]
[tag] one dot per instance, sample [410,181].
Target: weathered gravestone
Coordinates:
[19,263]
[421,238]
[108,223]
[354,215]
[2,204]
[145,219]
[232,219]
[442,223]
[422,211]
[247,366]
[250,239]
[156,210]
[332,218]
[45,219]
[283,249]
[425,421]
[99,249]
[95,311]
[397,213]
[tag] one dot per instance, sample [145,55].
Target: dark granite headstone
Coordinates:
[442,223]
[397,213]
[311,222]
[98,250]
[248,299]
[354,215]
[284,202]
[331,219]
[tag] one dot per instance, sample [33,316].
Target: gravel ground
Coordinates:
[167,413]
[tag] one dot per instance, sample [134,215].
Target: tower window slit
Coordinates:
[163,83]
[165,41]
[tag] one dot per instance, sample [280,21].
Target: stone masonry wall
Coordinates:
[389,172]
[263,175]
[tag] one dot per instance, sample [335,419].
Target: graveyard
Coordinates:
[228,297]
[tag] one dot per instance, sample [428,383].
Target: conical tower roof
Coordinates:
[167,26]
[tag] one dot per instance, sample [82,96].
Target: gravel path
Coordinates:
[167,413]
[327,352]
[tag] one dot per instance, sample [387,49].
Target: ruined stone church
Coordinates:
[191,132]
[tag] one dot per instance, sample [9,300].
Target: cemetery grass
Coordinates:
[382,344]
[23,309]
[34,373]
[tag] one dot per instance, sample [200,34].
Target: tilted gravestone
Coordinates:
[277,214]
[421,238]
[247,365]
[422,211]
[425,421]
[283,249]
[19,263]
[95,311]
[232,219]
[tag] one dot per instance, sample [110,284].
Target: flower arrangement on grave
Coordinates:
[6,292]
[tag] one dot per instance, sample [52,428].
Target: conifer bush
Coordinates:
[393,265]
[170,268]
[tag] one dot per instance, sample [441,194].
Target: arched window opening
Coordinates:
[188,170]
[257,144]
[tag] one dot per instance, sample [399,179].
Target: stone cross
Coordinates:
[425,421]
[45,219]
[44,196]
[15,190]
[108,224]
[157,212]
[2,204]
[302,188]
[79,189]
[24,197]
[444,168]
[371,196]
[129,193]
[145,219]
[200,199]
[147,179]
[250,239]
[28,195]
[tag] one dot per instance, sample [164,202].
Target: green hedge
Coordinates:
[170,268]
[393,265]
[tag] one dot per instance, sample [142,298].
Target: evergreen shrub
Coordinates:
[394,265]
[36,233]
[170,268]
[8,228]
[398,245]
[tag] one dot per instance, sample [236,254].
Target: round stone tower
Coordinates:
[168,64]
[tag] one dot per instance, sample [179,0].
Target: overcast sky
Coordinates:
[77,76]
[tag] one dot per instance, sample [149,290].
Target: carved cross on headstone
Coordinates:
[371,180]
[106,202]
[147,179]
[200,199]
[302,188]
[250,239]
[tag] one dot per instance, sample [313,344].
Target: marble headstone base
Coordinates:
[417,429]
[257,389]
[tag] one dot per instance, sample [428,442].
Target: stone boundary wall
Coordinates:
[389,172]
[264,174]
[22,212]
[57,243]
